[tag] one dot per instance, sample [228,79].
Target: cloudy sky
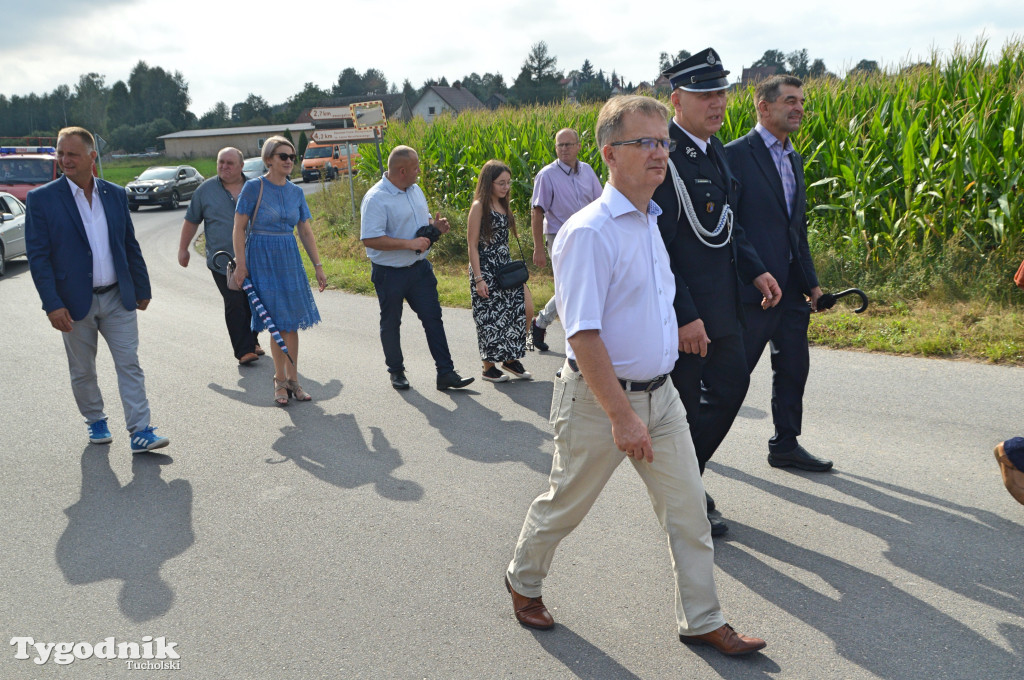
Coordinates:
[227,50]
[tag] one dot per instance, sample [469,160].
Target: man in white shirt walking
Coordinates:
[613,399]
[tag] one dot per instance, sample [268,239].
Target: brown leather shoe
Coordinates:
[530,611]
[247,358]
[726,640]
[259,350]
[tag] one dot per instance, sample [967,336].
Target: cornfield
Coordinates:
[901,167]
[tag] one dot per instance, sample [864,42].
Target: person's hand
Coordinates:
[240,273]
[539,259]
[183,257]
[60,319]
[441,223]
[321,278]
[815,294]
[769,288]
[420,244]
[631,436]
[141,305]
[693,339]
[482,290]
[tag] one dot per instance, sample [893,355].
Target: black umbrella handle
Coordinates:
[223,253]
[828,300]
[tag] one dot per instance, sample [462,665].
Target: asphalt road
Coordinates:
[364,535]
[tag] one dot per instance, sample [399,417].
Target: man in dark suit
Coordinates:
[89,271]
[710,258]
[771,206]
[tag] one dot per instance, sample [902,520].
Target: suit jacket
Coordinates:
[707,279]
[761,209]
[59,254]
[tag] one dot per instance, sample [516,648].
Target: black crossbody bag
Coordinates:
[513,274]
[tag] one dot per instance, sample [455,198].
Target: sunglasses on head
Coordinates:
[286,156]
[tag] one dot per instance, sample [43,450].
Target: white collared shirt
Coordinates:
[612,274]
[95,221]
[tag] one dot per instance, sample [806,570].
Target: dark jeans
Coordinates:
[237,316]
[712,389]
[785,327]
[417,285]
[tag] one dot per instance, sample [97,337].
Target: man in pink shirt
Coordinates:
[560,189]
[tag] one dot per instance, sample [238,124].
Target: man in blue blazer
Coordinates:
[771,206]
[89,271]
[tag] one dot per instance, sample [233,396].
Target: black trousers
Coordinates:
[416,285]
[712,389]
[784,327]
[237,316]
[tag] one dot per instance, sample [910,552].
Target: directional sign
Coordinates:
[330,113]
[343,135]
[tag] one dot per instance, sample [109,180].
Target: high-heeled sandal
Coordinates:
[296,391]
[281,399]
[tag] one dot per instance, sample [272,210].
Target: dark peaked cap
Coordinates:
[703,72]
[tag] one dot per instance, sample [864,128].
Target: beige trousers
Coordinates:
[585,458]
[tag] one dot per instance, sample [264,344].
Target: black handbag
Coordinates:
[513,274]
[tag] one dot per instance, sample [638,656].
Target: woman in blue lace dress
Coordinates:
[270,257]
[500,314]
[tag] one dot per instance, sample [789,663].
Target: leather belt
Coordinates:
[104,289]
[631,385]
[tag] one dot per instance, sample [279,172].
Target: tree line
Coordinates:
[132,114]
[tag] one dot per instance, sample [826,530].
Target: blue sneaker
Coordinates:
[99,433]
[145,440]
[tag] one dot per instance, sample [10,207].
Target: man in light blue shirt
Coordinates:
[393,211]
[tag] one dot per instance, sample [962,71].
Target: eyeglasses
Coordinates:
[649,143]
[286,156]
[567,145]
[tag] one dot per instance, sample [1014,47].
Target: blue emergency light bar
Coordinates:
[27,149]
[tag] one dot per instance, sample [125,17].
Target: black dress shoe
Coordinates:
[718,527]
[538,334]
[710,501]
[800,459]
[398,380]
[452,380]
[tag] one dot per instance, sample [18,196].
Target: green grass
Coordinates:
[347,267]
[942,327]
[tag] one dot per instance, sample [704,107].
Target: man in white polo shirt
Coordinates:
[614,290]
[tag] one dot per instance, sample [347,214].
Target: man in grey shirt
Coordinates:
[214,204]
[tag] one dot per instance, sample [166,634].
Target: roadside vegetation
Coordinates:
[914,183]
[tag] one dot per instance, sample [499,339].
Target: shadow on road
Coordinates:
[532,395]
[580,657]
[331,447]
[127,533]
[872,621]
[480,434]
